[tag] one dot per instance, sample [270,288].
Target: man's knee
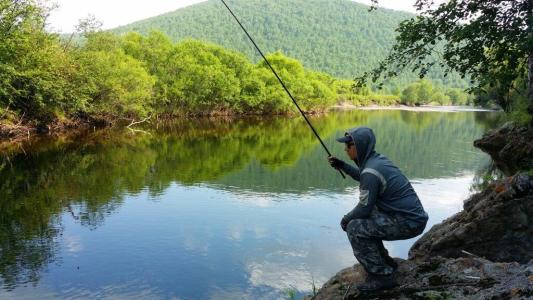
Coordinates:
[354,226]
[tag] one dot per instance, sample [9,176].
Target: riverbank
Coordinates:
[440,278]
[422,108]
[16,131]
[482,252]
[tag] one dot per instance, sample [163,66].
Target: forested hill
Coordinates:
[339,37]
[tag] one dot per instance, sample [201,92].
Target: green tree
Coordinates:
[491,41]
[425,91]
[117,83]
[336,37]
[155,51]
[440,97]
[457,96]
[311,89]
[410,94]
[37,77]
[206,79]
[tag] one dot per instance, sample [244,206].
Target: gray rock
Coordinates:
[496,224]
[439,278]
[510,146]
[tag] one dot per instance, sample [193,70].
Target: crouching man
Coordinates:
[388,208]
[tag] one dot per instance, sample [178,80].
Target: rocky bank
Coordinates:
[482,252]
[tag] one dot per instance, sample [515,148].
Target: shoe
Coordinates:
[388,260]
[375,282]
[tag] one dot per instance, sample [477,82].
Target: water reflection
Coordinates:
[205,208]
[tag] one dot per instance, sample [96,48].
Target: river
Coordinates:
[210,208]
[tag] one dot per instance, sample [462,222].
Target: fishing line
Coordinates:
[280,81]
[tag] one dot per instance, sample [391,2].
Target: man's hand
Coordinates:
[344,223]
[335,162]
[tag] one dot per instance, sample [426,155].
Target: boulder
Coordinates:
[496,224]
[439,278]
[510,147]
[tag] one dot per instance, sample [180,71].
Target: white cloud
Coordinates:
[444,193]
[73,244]
[280,276]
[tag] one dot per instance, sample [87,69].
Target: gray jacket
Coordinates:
[382,184]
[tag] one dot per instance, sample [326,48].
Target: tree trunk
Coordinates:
[530,82]
[530,60]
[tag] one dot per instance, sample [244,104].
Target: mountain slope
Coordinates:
[339,37]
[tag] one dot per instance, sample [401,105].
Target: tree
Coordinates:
[425,91]
[207,79]
[410,94]
[37,77]
[155,52]
[488,40]
[440,97]
[19,16]
[88,25]
[457,96]
[336,37]
[118,83]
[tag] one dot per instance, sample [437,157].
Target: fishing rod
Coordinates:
[281,82]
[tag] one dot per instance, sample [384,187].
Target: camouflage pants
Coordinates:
[366,237]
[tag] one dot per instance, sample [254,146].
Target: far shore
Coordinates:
[422,108]
[14,133]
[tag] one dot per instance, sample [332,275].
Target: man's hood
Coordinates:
[365,141]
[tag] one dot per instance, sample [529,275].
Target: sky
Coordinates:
[113,13]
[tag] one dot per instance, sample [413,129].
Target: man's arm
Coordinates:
[369,191]
[354,172]
[348,169]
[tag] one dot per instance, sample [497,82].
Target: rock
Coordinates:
[510,146]
[496,224]
[439,278]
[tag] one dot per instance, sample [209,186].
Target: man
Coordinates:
[388,208]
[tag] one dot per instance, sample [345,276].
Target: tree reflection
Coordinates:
[86,178]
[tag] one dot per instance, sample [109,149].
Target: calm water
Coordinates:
[209,209]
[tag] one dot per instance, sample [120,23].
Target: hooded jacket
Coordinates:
[382,184]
